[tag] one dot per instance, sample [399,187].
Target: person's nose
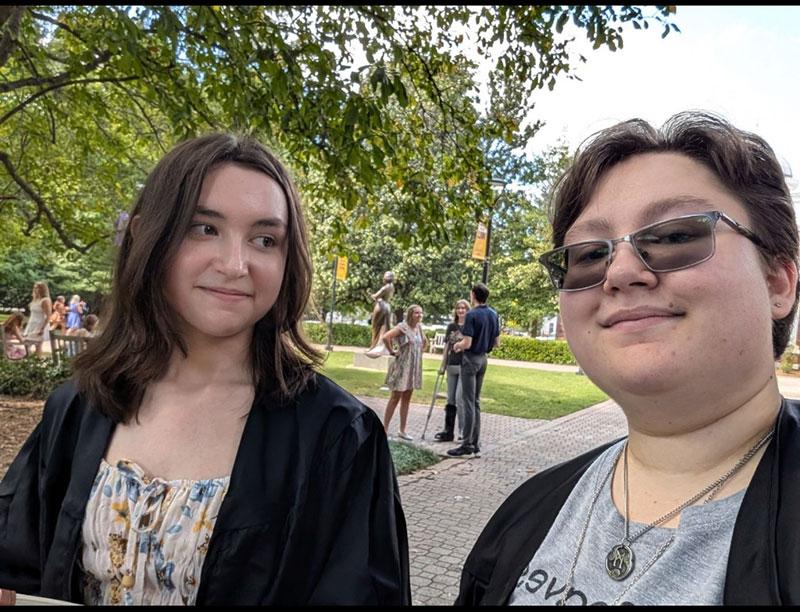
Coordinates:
[232,259]
[627,270]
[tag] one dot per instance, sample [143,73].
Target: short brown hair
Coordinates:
[140,333]
[481,292]
[743,162]
[91,322]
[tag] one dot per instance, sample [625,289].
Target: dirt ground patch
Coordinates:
[18,417]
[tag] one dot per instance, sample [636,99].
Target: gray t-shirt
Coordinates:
[690,570]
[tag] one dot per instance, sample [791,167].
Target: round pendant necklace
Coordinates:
[620,560]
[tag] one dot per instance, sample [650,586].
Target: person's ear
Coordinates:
[133,224]
[782,287]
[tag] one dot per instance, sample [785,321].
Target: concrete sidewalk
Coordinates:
[448,504]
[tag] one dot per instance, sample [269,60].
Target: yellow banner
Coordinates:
[341,268]
[479,246]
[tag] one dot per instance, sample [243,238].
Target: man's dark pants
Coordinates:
[473,368]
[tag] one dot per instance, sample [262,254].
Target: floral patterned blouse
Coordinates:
[145,539]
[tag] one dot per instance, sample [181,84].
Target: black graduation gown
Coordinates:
[764,561]
[312,514]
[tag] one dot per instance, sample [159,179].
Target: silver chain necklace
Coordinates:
[620,561]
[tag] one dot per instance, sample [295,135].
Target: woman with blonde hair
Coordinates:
[75,313]
[405,372]
[37,330]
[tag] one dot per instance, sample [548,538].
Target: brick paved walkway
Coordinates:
[447,505]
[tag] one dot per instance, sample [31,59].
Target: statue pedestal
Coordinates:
[360,360]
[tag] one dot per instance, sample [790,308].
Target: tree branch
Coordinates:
[52,56]
[57,79]
[42,208]
[38,94]
[144,114]
[56,22]
[381,22]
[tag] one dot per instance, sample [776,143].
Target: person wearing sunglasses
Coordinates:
[675,262]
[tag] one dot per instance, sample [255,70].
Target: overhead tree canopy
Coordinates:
[356,98]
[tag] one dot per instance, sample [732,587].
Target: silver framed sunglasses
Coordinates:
[665,246]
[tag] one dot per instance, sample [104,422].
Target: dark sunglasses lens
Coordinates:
[579,266]
[676,244]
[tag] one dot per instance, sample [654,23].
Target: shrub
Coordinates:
[531,349]
[32,377]
[518,348]
[346,334]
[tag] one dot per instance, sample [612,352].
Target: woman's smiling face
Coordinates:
[228,271]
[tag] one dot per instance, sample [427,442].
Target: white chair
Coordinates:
[437,346]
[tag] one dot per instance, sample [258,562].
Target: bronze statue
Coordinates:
[382,311]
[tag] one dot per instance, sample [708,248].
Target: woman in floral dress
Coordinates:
[405,372]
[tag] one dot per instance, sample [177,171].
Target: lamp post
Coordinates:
[498,187]
[329,346]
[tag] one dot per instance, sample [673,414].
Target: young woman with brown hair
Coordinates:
[197,457]
[14,341]
[452,365]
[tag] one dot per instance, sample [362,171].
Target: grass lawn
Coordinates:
[507,390]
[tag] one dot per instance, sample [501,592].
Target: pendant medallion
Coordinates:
[620,561]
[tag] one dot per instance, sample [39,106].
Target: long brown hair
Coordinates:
[743,162]
[40,290]
[12,322]
[140,332]
[465,303]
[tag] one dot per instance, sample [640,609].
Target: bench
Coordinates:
[66,347]
[437,346]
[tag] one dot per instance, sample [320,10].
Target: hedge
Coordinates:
[346,334]
[32,377]
[518,348]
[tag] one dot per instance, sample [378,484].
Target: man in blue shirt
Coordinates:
[481,334]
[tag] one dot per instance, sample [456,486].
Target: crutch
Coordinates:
[439,376]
